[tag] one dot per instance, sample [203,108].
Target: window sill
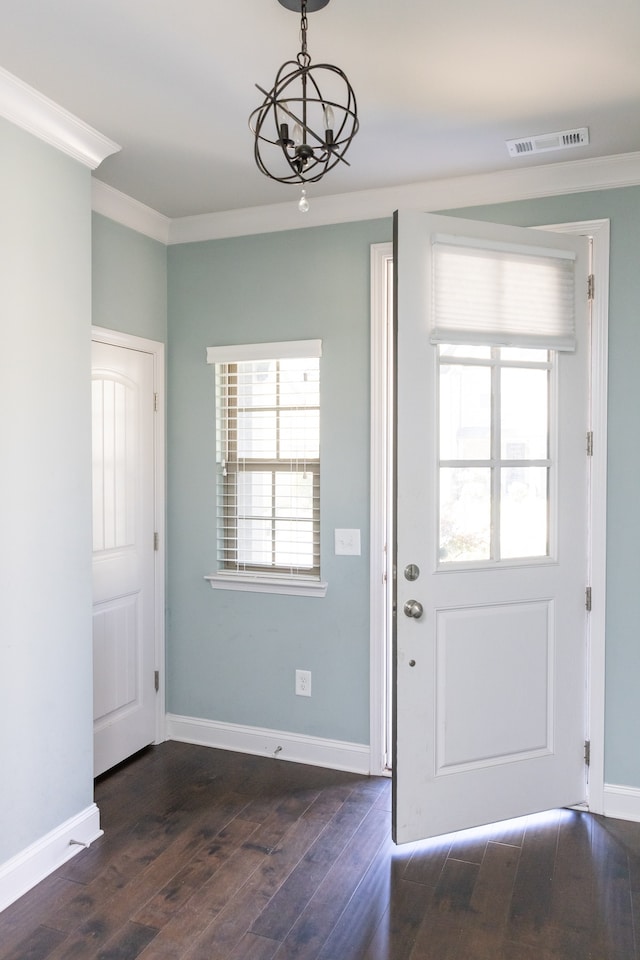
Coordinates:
[263,584]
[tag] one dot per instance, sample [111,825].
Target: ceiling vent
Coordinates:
[577,137]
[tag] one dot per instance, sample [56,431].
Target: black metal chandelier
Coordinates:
[310,128]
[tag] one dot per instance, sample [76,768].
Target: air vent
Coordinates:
[548,141]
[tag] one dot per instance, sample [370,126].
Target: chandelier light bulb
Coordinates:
[329,118]
[303,203]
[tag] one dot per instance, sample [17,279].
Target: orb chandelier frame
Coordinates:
[310,130]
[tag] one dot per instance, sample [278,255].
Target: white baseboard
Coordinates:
[34,863]
[318,752]
[623,803]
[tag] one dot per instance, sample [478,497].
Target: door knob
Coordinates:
[413,608]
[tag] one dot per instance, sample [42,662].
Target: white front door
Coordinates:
[490,555]
[123,552]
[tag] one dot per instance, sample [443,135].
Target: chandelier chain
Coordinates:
[303,57]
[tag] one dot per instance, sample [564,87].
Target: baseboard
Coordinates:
[623,803]
[34,863]
[318,752]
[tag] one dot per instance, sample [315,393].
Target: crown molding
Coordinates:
[131,213]
[36,114]
[554,179]
[526,183]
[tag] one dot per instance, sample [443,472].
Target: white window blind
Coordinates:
[502,295]
[268,457]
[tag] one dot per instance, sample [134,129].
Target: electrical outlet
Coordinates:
[303,683]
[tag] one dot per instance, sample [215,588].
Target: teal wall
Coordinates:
[622,208]
[129,281]
[232,656]
[46,680]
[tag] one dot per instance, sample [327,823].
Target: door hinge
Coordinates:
[591,285]
[155,403]
[587,599]
[156,680]
[590,443]
[156,541]
[587,752]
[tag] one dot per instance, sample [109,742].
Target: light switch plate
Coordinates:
[347,543]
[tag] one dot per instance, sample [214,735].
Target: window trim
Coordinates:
[252,580]
[264,583]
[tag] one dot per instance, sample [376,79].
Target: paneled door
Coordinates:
[123,552]
[491,531]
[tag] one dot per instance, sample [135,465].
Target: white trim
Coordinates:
[156,349]
[37,861]
[315,751]
[524,183]
[527,183]
[264,584]
[289,349]
[597,573]
[379,507]
[35,113]
[117,206]
[621,802]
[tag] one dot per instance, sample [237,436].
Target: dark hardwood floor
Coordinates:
[210,855]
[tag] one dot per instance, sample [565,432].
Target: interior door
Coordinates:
[491,563]
[123,552]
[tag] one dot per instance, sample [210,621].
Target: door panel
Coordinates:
[123,554]
[490,679]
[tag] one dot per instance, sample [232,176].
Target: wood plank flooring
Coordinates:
[209,855]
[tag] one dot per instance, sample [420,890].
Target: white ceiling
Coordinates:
[440,86]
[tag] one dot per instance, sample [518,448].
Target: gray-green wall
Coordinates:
[232,656]
[46,681]
[129,281]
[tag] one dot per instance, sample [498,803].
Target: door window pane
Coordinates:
[524,405]
[466,350]
[465,412]
[465,514]
[524,512]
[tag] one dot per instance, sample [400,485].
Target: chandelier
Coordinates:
[306,122]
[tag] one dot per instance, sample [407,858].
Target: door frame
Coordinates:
[381,560]
[157,351]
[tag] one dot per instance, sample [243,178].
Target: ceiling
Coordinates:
[440,86]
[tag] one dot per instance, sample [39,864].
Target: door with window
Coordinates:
[492,405]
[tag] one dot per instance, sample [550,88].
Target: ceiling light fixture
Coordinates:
[311,128]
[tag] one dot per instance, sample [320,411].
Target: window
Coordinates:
[496,412]
[268,460]
[500,315]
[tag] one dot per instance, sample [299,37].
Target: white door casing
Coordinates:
[492,641]
[128,590]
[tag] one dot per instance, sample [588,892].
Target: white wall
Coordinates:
[45,489]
